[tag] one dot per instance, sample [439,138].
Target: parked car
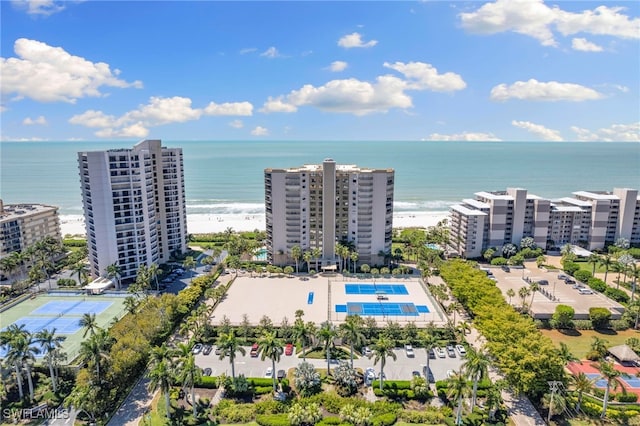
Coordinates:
[383,375]
[432,354]
[543,282]
[218,350]
[369,375]
[562,277]
[441,353]
[281,374]
[451,351]
[415,373]
[207,349]
[206,372]
[585,291]
[461,350]
[569,281]
[366,351]
[207,268]
[269,372]
[197,348]
[288,349]
[254,350]
[450,374]
[505,268]
[409,351]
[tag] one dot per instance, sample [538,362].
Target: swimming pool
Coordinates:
[261,255]
[359,288]
[382,309]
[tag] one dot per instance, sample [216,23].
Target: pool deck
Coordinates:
[280,296]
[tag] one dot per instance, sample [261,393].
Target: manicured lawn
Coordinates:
[579,341]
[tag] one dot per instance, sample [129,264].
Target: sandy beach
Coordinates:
[208,223]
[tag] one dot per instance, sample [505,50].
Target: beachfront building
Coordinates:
[134,206]
[22,225]
[589,219]
[316,206]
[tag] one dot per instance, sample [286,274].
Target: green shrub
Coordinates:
[599,317]
[626,397]
[272,420]
[262,390]
[563,316]
[583,275]
[570,267]
[617,294]
[619,325]
[329,421]
[429,416]
[386,419]
[207,382]
[393,384]
[260,381]
[583,325]
[499,261]
[238,413]
[597,284]
[270,406]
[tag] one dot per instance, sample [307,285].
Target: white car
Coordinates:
[450,374]
[269,373]
[461,350]
[370,374]
[441,353]
[409,351]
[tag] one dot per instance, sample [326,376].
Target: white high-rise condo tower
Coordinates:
[134,206]
[316,206]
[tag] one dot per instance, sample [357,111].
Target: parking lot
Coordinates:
[400,369]
[556,292]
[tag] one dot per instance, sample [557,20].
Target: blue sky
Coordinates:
[511,70]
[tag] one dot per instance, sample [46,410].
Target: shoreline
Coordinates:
[212,223]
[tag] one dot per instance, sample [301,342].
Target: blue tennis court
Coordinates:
[63,325]
[357,288]
[630,381]
[310,298]
[378,309]
[71,307]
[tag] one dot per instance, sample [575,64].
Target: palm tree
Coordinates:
[351,331]
[327,334]
[510,293]
[153,271]
[296,254]
[229,345]
[269,346]
[11,339]
[89,323]
[307,256]
[317,254]
[365,268]
[581,383]
[612,376]
[534,287]
[599,345]
[477,367]
[96,349]
[81,269]
[50,344]
[8,265]
[353,256]
[188,264]
[457,389]
[382,349]
[190,373]
[565,354]
[160,375]
[429,342]
[130,304]
[303,333]
[26,353]
[114,271]
[594,260]
[606,261]
[523,293]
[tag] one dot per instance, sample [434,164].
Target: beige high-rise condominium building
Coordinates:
[316,206]
[134,206]
[22,225]
[591,219]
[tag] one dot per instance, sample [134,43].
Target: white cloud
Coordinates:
[425,76]
[464,136]
[50,74]
[277,105]
[534,90]
[157,112]
[39,7]
[247,50]
[537,20]
[236,124]
[337,66]
[271,53]
[358,97]
[355,40]
[260,131]
[614,133]
[539,130]
[584,45]
[39,120]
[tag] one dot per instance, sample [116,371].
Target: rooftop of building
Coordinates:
[467,211]
[572,201]
[318,168]
[494,195]
[597,195]
[475,203]
[14,211]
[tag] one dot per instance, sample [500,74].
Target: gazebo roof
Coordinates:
[624,353]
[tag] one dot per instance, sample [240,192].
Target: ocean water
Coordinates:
[227,177]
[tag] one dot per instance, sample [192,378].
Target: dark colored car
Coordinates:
[569,281]
[432,354]
[281,374]
[506,268]
[206,372]
[207,349]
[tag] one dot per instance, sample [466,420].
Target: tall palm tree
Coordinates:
[317,254]
[10,338]
[565,354]
[81,269]
[326,334]
[189,375]
[153,270]
[429,342]
[581,383]
[476,367]
[457,388]
[383,349]
[269,346]
[95,350]
[594,260]
[230,346]
[8,265]
[303,333]
[307,256]
[351,331]
[89,323]
[296,254]
[188,264]
[612,376]
[510,293]
[354,256]
[160,375]
[534,287]
[50,344]
[114,271]
[23,353]
[606,261]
